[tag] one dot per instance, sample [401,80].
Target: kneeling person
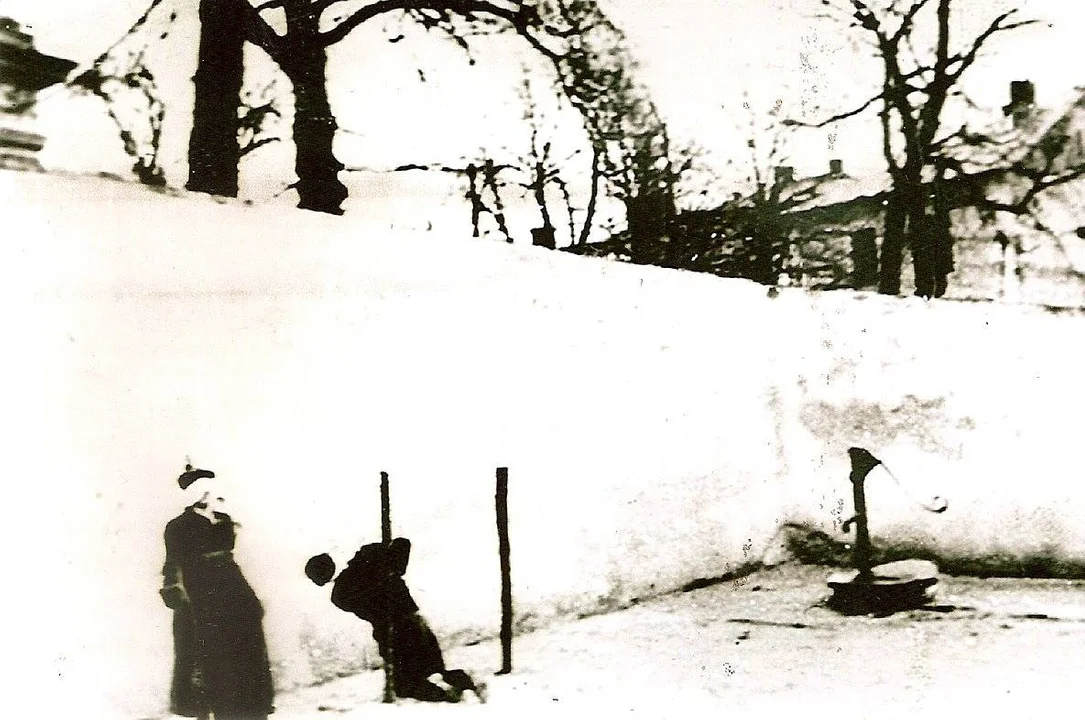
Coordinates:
[371,586]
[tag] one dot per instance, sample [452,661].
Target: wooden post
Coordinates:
[386,511]
[386,538]
[502,498]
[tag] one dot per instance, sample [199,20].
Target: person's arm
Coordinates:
[173,582]
[399,554]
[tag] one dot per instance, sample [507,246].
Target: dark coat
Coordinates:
[371,586]
[220,656]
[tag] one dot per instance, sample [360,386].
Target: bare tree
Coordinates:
[296,35]
[541,170]
[120,76]
[598,75]
[534,171]
[574,36]
[490,180]
[748,236]
[768,195]
[481,177]
[630,143]
[921,78]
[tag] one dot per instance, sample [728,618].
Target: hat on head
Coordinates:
[191,475]
[320,568]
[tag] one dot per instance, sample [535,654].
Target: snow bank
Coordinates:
[298,356]
[658,425]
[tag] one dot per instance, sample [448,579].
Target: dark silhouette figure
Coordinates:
[221,666]
[371,586]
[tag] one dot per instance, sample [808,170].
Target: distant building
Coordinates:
[1035,258]
[834,221]
[23,73]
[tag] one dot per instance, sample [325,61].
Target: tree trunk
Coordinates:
[763,264]
[475,199]
[924,238]
[538,188]
[315,163]
[920,237]
[213,150]
[942,260]
[593,198]
[892,251]
[648,217]
[943,257]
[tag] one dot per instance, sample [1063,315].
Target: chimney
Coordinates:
[836,166]
[1022,92]
[784,175]
[1022,102]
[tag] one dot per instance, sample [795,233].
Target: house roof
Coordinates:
[24,67]
[822,191]
[999,145]
[843,202]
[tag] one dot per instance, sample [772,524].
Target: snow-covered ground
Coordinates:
[658,425]
[763,646]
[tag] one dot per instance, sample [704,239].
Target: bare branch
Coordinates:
[908,19]
[779,139]
[946,139]
[499,167]
[256,107]
[887,142]
[937,90]
[520,16]
[252,146]
[865,18]
[442,22]
[142,147]
[140,22]
[258,32]
[835,118]
[1021,207]
[968,58]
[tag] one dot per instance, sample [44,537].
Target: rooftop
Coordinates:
[24,67]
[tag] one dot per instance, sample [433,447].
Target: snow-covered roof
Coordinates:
[1000,145]
[823,191]
[1007,144]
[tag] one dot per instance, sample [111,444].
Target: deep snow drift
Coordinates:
[658,425]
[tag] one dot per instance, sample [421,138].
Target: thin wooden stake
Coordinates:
[502,502]
[386,539]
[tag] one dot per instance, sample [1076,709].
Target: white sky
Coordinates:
[698,57]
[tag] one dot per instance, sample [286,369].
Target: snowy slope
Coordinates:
[658,425]
[299,356]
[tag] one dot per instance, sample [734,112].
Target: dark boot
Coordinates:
[463,682]
[426,691]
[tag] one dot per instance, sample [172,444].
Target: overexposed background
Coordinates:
[658,425]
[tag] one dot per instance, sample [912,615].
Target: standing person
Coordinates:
[371,586]
[221,667]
